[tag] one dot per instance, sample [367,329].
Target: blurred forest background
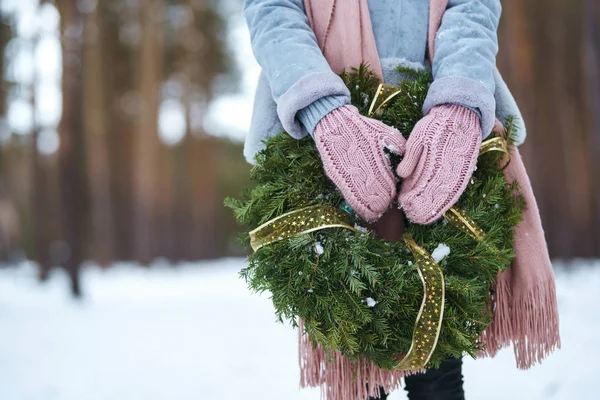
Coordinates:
[121,167]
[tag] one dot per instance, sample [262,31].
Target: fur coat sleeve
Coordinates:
[287,50]
[464,60]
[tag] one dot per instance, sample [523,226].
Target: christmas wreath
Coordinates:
[401,305]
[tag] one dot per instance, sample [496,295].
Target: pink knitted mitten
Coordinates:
[351,148]
[441,154]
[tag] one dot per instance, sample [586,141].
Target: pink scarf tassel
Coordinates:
[524,303]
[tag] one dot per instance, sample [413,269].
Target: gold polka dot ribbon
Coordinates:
[464,223]
[429,319]
[304,220]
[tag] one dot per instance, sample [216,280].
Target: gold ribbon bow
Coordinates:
[429,319]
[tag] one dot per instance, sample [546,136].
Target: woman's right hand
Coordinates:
[351,147]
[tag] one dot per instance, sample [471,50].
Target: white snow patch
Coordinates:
[319,248]
[389,146]
[440,252]
[162,333]
[371,302]
[360,228]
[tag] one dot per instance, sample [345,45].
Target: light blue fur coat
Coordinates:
[296,87]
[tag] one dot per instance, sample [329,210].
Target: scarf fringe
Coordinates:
[497,335]
[530,322]
[340,378]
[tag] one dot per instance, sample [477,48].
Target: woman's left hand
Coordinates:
[441,155]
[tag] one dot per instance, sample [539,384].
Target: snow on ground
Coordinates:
[196,332]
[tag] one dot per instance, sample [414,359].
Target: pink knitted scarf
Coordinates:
[524,300]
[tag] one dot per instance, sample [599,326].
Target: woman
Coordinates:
[302,45]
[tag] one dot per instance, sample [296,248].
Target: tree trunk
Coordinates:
[149,70]
[39,201]
[592,84]
[118,88]
[94,128]
[71,152]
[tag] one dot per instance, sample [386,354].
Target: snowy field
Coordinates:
[195,332]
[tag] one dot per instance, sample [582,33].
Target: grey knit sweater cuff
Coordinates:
[310,115]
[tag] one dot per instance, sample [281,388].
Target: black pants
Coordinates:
[445,383]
